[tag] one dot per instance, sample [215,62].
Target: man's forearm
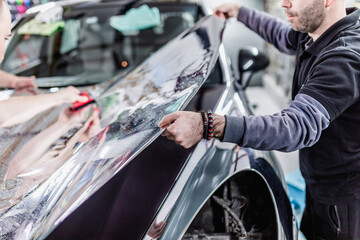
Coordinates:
[270,28]
[296,127]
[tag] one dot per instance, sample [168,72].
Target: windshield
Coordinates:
[87,50]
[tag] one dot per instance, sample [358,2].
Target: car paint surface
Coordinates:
[93,194]
[131,109]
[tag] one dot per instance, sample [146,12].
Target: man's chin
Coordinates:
[294,27]
[297,28]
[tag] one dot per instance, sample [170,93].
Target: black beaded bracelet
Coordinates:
[210,132]
[205,123]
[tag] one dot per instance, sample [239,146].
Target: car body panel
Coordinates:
[120,182]
[213,163]
[162,84]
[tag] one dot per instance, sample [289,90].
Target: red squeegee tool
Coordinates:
[78,105]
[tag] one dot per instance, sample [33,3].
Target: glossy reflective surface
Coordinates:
[88,50]
[88,149]
[215,166]
[212,163]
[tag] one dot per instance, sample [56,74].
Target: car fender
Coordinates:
[218,163]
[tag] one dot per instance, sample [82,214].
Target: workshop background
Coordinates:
[269,91]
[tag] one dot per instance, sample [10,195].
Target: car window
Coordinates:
[88,50]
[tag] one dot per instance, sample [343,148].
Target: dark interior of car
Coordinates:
[246,196]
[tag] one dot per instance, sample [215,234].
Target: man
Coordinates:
[20,109]
[323,118]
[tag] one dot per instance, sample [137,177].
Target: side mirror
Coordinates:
[251,60]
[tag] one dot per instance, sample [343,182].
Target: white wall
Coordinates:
[236,35]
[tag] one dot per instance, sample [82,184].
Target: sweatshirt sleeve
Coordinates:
[296,127]
[271,29]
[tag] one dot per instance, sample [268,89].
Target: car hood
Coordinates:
[63,172]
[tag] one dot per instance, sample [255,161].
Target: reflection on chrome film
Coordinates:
[51,164]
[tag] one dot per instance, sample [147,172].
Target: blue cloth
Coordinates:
[296,187]
[136,19]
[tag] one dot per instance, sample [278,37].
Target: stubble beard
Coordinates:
[310,18]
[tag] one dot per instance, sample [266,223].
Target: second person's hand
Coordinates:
[70,95]
[24,84]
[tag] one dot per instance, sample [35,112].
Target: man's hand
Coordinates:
[227,10]
[185,128]
[24,84]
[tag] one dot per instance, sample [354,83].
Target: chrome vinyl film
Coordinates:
[210,165]
[64,170]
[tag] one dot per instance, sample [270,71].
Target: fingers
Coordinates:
[183,127]
[168,119]
[168,135]
[71,95]
[173,134]
[29,90]
[28,82]
[227,10]
[96,109]
[95,118]
[32,82]
[25,84]
[79,98]
[70,89]
[219,13]
[73,89]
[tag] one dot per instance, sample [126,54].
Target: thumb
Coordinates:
[219,13]
[168,119]
[80,98]
[32,82]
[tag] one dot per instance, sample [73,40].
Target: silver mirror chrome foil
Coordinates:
[130,111]
[213,163]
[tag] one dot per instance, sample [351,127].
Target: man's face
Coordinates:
[305,15]
[5,28]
